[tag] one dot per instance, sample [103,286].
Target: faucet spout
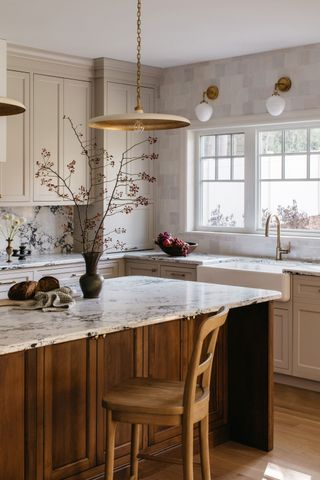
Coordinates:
[279,250]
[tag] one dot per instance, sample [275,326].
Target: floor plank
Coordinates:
[296,454]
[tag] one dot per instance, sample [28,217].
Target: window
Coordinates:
[289,177]
[244,175]
[222,180]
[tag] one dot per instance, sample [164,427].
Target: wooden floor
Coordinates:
[296,452]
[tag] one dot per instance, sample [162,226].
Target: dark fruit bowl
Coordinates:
[176,251]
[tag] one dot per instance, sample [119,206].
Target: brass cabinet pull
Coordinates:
[177,274]
[10,282]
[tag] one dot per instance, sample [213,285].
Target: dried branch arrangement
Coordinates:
[111,183]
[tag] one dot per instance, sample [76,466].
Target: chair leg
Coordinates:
[134,463]
[204,448]
[110,442]
[187,450]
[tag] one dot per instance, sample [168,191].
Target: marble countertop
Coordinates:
[194,259]
[126,302]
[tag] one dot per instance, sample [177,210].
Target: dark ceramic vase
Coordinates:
[91,282]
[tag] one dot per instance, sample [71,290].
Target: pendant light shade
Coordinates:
[138,120]
[8,106]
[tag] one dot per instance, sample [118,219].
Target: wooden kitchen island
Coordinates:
[55,368]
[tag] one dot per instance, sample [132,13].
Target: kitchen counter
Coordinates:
[194,259]
[126,302]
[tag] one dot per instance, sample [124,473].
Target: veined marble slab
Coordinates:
[126,302]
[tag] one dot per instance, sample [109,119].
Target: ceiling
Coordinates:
[175,32]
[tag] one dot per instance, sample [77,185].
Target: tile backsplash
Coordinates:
[48,229]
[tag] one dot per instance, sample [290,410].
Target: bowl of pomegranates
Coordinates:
[173,246]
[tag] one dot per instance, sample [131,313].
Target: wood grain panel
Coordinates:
[120,356]
[69,408]
[12,417]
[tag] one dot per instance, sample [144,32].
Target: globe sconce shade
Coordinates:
[276,104]
[204,110]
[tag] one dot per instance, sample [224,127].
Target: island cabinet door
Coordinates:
[167,358]
[69,408]
[12,417]
[120,357]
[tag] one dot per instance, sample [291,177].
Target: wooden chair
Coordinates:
[161,402]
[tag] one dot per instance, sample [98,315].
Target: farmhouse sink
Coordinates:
[255,273]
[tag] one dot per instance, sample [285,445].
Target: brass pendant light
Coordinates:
[8,106]
[138,120]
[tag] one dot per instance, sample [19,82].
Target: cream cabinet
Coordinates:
[121,98]
[9,278]
[282,344]
[48,99]
[149,269]
[306,327]
[15,172]
[161,269]
[54,97]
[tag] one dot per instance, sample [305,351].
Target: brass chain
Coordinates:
[139,106]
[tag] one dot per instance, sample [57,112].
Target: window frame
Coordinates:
[252,176]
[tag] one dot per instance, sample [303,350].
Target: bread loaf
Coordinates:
[23,290]
[46,284]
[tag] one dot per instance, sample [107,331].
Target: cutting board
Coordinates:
[14,303]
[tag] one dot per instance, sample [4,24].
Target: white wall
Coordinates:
[244,83]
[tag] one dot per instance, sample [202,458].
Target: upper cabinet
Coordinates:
[47,98]
[15,172]
[53,99]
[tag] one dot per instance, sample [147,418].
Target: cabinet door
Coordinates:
[77,106]
[120,357]
[140,223]
[306,334]
[15,173]
[47,129]
[7,279]
[150,269]
[282,335]
[12,418]
[69,408]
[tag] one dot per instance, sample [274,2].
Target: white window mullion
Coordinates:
[250,180]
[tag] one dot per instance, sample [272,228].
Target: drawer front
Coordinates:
[66,275]
[142,268]
[9,279]
[306,288]
[178,273]
[109,269]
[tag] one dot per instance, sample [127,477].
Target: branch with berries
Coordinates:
[110,181]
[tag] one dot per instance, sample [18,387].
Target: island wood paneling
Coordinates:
[52,423]
[69,385]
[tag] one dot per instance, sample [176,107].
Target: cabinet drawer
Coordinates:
[9,279]
[109,269]
[306,288]
[179,273]
[65,275]
[149,269]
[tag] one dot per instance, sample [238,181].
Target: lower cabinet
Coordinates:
[306,334]
[282,315]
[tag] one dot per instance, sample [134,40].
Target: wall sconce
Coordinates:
[276,104]
[203,110]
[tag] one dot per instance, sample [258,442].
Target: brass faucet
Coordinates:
[279,250]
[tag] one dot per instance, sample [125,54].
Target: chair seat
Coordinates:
[149,396]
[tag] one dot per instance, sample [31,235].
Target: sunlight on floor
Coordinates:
[275,472]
